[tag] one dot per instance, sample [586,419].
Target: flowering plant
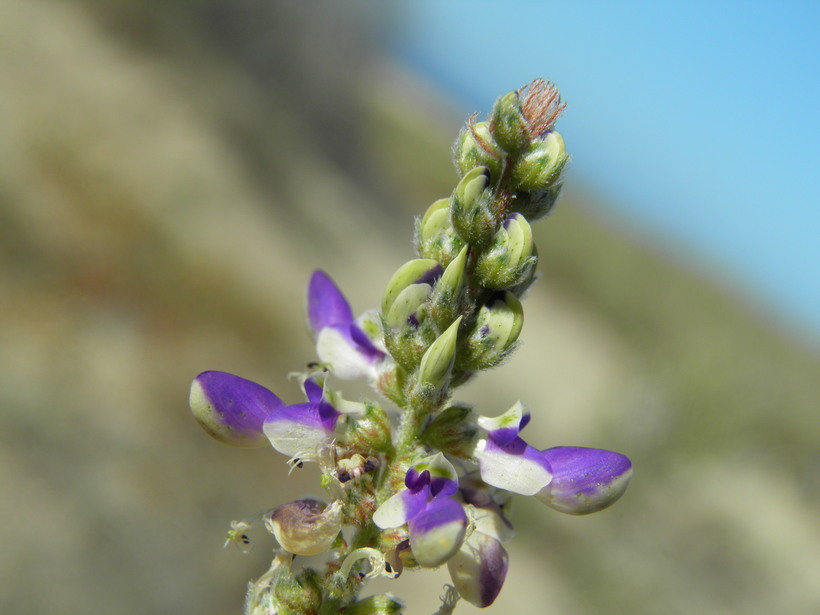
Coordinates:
[421,481]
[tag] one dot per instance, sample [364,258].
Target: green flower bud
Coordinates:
[375,605]
[475,147]
[508,125]
[407,304]
[417,271]
[541,165]
[370,431]
[452,432]
[496,328]
[437,363]
[536,204]
[297,592]
[446,300]
[472,210]
[510,256]
[436,238]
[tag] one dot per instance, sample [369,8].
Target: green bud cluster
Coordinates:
[442,328]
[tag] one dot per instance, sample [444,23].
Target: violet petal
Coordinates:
[232,409]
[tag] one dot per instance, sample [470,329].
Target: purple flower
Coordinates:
[585,480]
[570,479]
[240,412]
[341,341]
[479,568]
[436,522]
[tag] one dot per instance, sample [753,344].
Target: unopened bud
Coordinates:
[537,204]
[436,238]
[507,124]
[416,271]
[446,299]
[509,257]
[452,431]
[541,165]
[407,304]
[437,362]
[475,147]
[306,527]
[496,328]
[472,210]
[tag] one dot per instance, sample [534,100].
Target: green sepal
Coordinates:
[452,431]
[369,432]
[507,124]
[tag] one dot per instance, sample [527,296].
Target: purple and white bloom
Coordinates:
[243,413]
[505,460]
[298,431]
[585,480]
[436,522]
[479,568]
[341,341]
[571,479]
[231,409]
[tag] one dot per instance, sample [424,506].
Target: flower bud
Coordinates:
[541,164]
[437,362]
[446,300]
[537,204]
[416,271]
[496,328]
[407,304]
[369,432]
[436,238]
[585,480]
[510,257]
[475,147]
[507,124]
[306,527]
[452,432]
[472,213]
[479,568]
[232,409]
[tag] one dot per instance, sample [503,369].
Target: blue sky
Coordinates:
[696,121]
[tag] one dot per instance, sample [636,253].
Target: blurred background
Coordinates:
[172,171]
